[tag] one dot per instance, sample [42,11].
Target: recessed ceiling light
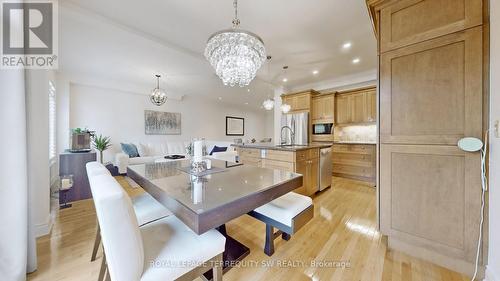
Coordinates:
[246,103]
[315,72]
[248,90]
[346,45]
[285,80]
[220,98]
[356,60]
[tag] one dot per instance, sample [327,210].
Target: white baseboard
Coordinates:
[491,275]
[44,228]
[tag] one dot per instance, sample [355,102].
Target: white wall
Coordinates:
[120,115]
[493,268]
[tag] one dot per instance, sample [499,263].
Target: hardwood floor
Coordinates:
[342,240]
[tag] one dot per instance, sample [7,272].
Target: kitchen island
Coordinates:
[301,159]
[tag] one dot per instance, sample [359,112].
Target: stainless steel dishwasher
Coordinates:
[325,168]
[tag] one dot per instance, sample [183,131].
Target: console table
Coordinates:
[73,163]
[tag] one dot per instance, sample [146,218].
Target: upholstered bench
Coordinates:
[287,213]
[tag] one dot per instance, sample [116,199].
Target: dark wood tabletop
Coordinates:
[208,202]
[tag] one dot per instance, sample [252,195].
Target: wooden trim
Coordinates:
[310,91]
[357,90]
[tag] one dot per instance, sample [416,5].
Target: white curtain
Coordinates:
[17,240]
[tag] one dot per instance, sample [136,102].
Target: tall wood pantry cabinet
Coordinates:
[431,72]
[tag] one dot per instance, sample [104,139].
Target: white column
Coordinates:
[277,113]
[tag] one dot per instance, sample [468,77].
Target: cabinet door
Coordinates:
[358,104]
[312,186]
[328,104]
[317,109]
[343,110]
[371,106]
[411,21]
[301,167]
[431,92]
[430,197]
[277,165]
[301,102]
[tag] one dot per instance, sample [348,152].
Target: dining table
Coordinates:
[226,191]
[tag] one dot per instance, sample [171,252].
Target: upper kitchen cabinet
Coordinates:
[300,101]
[343,109]
[323,108]
[408,22]
[356,106]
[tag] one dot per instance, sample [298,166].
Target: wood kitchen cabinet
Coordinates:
[305,162]
[432,73]
[300,101]
[356,106]
[358,103]
[323,108]
[354,161]
[343,110]
[371,106]
[302,167]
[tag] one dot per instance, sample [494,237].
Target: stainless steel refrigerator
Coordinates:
[299,123]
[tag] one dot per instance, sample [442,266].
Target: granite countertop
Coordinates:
[283,147]
[354,142]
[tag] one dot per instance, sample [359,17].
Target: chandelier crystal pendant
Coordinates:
[235,54]
[285,108]
[268,104]
[158,96]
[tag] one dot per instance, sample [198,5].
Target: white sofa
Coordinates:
[150,152]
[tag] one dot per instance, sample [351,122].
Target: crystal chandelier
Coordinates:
[235,54]
[158,96]
[268,104]
[285,108]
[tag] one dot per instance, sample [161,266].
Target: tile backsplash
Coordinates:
[358,133]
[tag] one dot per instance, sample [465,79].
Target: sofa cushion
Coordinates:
[130,149]
[142,149]
[218,149]
[176,147]
[141,160]
[210,145]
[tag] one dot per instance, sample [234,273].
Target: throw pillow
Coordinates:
[218,149]
[141,149]
[130,149]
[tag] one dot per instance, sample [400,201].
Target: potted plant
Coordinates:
[101,143]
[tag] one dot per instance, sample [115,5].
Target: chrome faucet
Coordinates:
[291,133]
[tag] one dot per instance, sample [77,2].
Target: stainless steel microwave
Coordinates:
[322,129]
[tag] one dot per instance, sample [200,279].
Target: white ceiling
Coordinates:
[130,41]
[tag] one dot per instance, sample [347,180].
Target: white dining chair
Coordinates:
[146,208]
[165,249]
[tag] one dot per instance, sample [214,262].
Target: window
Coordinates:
[52,122]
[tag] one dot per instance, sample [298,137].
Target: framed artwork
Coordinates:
[162,123]
[235,126]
